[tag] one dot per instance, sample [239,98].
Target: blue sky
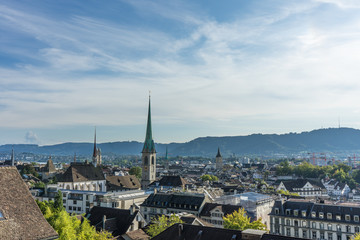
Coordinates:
[214,68]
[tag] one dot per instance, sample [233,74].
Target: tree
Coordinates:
[70,227]
[161,223]
[357,236]
[238,220]
[137,171]
[58,203]
[209,178]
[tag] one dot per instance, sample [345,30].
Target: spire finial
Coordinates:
[149,145]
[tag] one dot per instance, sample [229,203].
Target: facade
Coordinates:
[167,203]
[213,213]
[338,189]
[305,219]
[82,176]
[122,183]
[148,156]
[219,161]
[255,204]
[304,187]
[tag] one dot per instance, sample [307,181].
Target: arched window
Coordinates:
[68,187]
[146,160]
[152,160]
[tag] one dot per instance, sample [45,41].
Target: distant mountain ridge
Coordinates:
[320,140]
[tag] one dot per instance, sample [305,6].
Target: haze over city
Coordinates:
[213,68]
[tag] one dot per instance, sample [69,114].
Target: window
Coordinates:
[296,223]
[288,232]
[146,160]
[330,227]
[322,235]
[321,226]
[339,237]
[313,214]
[357,229]
[296,212]
[287,222]
[338,217]
[356,218]
[276,221]
[338,228]
[329,216]
[70,208]
[277,230]
[304,234]
[79,208]
[303,213]
[74,201]
[313,224]
[330,236]
[348,229]
[304,223]
[314,234]
[288,211]
[296,232]
[152,160]
[276,211]
[347,217]
[321,215]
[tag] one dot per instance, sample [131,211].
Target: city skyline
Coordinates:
[213,69]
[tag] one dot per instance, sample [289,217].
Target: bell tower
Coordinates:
[148,156]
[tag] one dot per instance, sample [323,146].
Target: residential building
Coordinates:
[166,203]
[214,212]
[315,220]
[122,183]
[20,217]
[304,187]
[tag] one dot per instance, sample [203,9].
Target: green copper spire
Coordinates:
[149,145]
[166,154]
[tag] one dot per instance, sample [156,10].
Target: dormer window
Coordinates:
[303,213]
[356,218]
[329,216]
[338,217]
[288,211]
[313,214]
[277,211]
[296,212]
[347,217]
[321,215]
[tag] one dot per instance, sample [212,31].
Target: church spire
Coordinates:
[166,154]
[149,145]
[218,153]
[12,157]
[94,153]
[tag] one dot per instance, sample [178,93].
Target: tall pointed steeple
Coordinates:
[219,161]
[149,145]
[166,154]
[218,153]
[12,157]
[94,153]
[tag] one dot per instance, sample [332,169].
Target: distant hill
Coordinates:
[321,140]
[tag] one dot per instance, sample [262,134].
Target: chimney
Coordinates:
[104,221]
[155,190]
[181,228]
[132,209]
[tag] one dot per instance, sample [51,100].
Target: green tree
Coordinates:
[209,178]
[70,227]
[238,220]
[58,203]
[161,223]
[137,171]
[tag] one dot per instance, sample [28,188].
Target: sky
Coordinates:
[214,68]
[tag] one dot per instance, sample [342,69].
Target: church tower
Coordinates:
[219,162]
[96,158]
[148,156]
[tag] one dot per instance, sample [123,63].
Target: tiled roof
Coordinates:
[22,217]
[299,183]
[137,235]
[80,172]
[122,182]
[173,181]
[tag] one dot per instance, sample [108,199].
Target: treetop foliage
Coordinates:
[238,220]
[161,223]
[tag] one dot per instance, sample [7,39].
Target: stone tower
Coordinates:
[148,156]
[96,158]
[219,162]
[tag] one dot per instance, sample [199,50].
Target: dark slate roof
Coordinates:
[299,183]
[172,181]
[136,235]
[195,232]
[122,182]
[175,200]
[191,219]
[225,208]
[80,172]
[22,217]
[117,221]
[278,237]
[310,207]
